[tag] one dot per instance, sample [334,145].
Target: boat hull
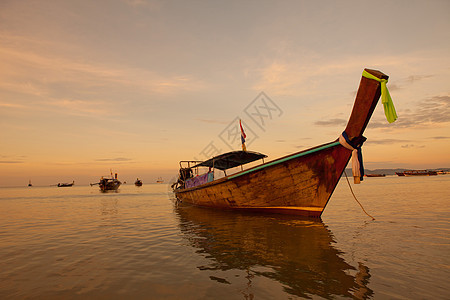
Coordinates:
[110,186]
[410,173]
[299,184]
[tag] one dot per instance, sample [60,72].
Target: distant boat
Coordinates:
[66,184]
[108,184]
[375,175]
[138,182]
[417,173]
[160,180]
[29,183]
[300,183]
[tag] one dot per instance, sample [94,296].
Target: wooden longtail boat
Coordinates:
[66,184]
[108,184]
[300,184]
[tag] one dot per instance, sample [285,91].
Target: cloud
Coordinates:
[11,105]
[405,82]
[301,71]
[386,141]
[440,137]
[413,78]
[117,159]
[412,146]
[136,3]
[209,121]
[299,146]
[393,87]
[51,70]
[12,159]
[83,107]
[382,162]
[331,122]
[429,113]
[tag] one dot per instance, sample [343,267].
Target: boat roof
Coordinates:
[231,159]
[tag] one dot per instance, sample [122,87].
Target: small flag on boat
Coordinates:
[243,136]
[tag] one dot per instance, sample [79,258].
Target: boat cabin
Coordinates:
[193,173]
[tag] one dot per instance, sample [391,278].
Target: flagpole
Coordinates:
[243,136]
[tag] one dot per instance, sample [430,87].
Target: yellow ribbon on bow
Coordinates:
[389,109]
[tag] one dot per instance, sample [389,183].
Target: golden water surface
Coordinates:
[79,243]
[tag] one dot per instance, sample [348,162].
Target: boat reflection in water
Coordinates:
[297,253]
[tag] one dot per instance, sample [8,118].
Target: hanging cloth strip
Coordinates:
[389,109]
[357,161]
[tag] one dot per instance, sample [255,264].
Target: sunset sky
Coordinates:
[135,85]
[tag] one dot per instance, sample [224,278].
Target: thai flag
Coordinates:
[243,136]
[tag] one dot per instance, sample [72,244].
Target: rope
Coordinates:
[351,190]
[357,161]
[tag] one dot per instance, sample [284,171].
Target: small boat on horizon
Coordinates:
[300,183]
[159,180]
[29,183]
[108,184]
[417,173]
[138,182]
[66,184]
[375,175]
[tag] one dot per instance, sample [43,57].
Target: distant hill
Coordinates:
[389,171]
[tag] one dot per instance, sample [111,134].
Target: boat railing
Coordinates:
[189,163]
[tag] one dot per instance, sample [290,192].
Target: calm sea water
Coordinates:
[73,243]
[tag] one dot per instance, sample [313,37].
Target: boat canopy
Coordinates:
[231,159]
